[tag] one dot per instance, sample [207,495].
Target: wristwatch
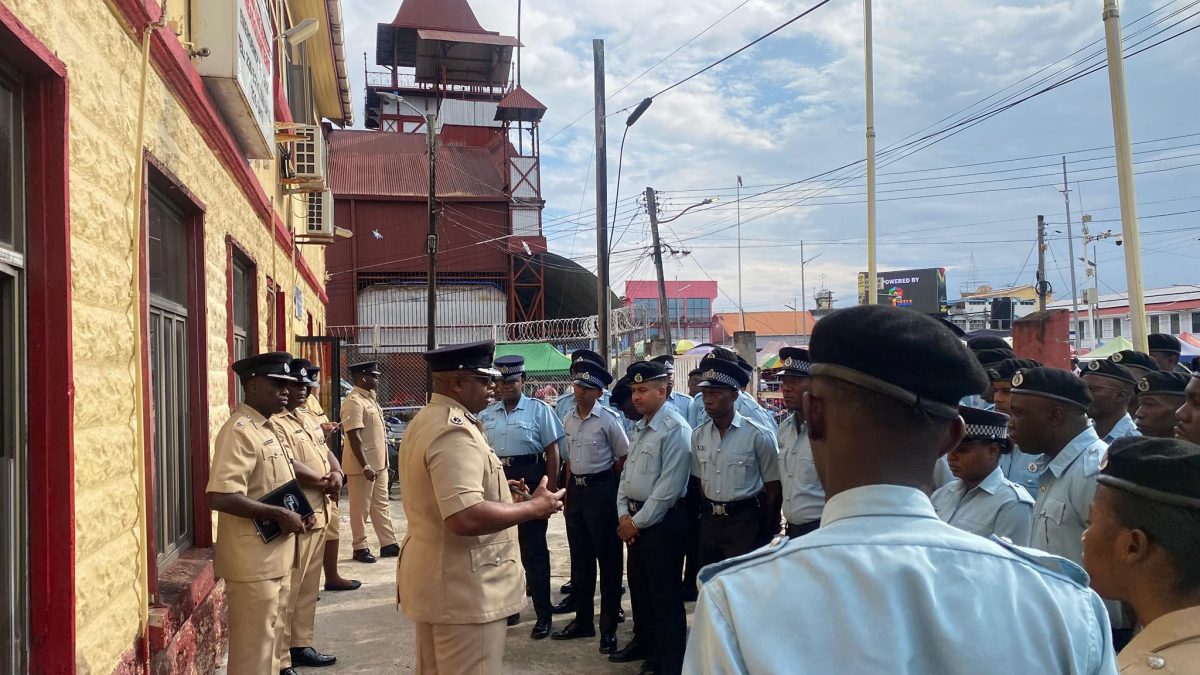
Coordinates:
[367,467]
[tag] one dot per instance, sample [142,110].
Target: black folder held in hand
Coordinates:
[288,496]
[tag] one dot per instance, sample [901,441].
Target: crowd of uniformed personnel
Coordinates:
[930,507]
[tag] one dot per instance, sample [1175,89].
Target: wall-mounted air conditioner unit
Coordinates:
[319,220]
[305,168]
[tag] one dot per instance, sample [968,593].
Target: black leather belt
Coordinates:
[523,460]
[635,506]
[592,479]
[729,508]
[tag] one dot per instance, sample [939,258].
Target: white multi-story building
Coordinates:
[1174,310]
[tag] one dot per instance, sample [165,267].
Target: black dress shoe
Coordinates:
[514,619]
[608,643]
[566,589]
[621,615]
[574,630]
[565,606]
[355,584]
[307,657]
[628,653]
[541,629]
[363,555]
[648,670]
[288,671]
[390,551]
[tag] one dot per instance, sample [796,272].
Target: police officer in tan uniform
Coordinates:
[312,411]
[459,577]
[302,430]
[250,461]
[366,464]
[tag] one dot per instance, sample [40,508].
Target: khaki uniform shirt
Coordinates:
[446,466]
[1170,644]
[302,431]
[360,410]
[250,460]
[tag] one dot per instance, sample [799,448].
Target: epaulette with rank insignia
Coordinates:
[1060,566]
[457,417]
[757,555]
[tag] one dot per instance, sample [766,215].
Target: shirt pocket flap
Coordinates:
[495,554]
[1054,510]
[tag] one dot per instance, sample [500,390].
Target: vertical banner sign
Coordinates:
[254,63]
[922,290]
[237,73]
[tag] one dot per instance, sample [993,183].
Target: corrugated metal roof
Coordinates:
[472,38]
[768,323]
[519,98]
[641,289]
[389,164]
[454,15]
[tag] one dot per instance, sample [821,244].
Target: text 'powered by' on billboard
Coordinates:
[922,290]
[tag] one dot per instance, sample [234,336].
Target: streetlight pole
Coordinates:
[741,304]
[652,210]
[872,280]
[1071,255]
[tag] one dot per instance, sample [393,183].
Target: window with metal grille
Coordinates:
[1196,322]
[13,524]
[1175,324]
[1116,327]
[169,376]
[1154,324]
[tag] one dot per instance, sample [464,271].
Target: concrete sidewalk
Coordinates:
[368,634]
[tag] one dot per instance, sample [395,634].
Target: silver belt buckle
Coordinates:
[719,510]
[581,482]
[506,461]
[633,508]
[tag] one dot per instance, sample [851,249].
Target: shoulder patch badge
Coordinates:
[455,419]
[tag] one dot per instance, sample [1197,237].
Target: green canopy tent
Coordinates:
[542,360]
[1107,349]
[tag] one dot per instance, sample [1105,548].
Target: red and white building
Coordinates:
[689,307]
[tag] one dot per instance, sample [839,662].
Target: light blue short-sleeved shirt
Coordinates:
[1065,491]
[566,403]
[682,403]
[594,442]
[1024,469]
[658,467]
[736,466]
[803,496]
[527,430]
[901,593]
[746,406]
[1124,427]
[996,506]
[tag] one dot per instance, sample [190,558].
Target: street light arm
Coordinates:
[394,98]
[675,217]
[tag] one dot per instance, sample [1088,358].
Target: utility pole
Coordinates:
[872,271]
[602,315]
[652,209]
[431,240]
[1041,274]
[1071,255]
[741,305]
[803,293]
[1125,187]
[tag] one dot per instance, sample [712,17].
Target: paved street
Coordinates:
[369,635]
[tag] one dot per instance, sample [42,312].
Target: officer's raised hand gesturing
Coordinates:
[547,503]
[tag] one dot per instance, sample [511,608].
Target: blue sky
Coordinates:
[792,107]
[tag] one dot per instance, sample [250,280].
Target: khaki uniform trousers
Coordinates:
[332,531]
[257,613]
[460,649]
[300,621]
[372,495]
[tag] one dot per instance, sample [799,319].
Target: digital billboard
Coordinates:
[922,290]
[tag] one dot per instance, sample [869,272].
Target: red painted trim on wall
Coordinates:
[172,63]
[50,386]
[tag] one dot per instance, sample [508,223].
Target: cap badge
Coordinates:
[637,378]
[1117,358]
[710,374]
[1018,379]
[304,372]
[1144,385]
[286,368]
[1094,365]
[788,363]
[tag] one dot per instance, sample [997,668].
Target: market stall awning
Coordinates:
[541,358]
[1107,349]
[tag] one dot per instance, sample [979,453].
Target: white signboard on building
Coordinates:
[241,40]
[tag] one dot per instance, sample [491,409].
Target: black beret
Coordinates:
[275,365]
[667,360]
[695,372]
[621,391]
[644,371]
[1106,368]
[1004,371]
[1053,383]
[590,375]
[1164,342]
[1165,470]
[474,356]
[1133,359]
[794,361]
[983,425]
[364,368]
[988,357]
[1161,383]
[987,342]
[510,367]
[722,353]
[899,353]
[304,371]
[589,356]
[721,373]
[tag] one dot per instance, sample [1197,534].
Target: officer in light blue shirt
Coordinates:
[1023,468]
[524,433]
[803,496]
[682,403]
[1113,388]
[565,403]
[899,591]
[747,406]
[980,499]
[652,518]
[736,463]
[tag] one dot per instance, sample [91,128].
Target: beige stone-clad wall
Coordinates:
[103,68]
